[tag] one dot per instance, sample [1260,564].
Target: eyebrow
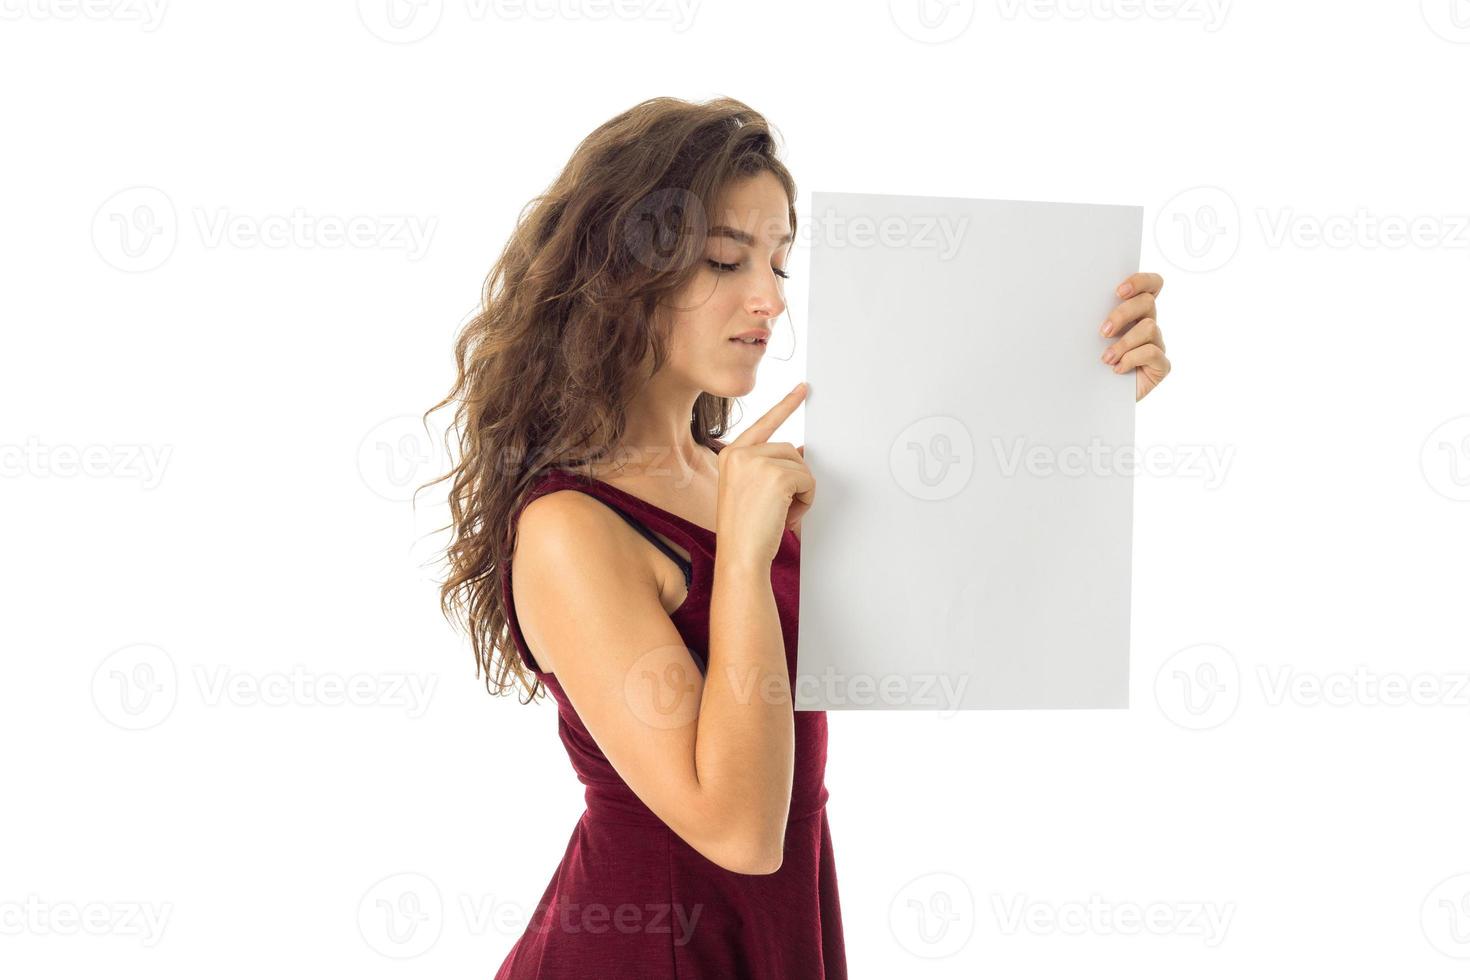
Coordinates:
[725,231]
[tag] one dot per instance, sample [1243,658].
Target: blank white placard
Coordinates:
[970,545]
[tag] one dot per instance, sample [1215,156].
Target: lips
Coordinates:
[752,338]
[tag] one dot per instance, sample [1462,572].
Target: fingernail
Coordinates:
[1125,289]
[1107,328]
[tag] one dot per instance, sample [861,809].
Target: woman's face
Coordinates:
[738,289]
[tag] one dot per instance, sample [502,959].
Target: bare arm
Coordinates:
[746,744]
[711,758]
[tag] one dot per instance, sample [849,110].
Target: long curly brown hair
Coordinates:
[567,326]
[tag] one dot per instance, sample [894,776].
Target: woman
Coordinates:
[632,303]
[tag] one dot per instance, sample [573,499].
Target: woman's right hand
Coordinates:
[764,487]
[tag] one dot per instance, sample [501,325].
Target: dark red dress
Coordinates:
[631,899]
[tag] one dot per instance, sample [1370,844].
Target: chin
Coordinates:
[728,387]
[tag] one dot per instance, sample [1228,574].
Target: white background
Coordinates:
[269,550]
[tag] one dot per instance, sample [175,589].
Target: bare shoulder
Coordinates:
[563,524]
[571,553]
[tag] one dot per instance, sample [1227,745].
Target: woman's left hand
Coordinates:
[1139,342]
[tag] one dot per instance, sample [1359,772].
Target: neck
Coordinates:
[657,438]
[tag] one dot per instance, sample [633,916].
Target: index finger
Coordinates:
[1140,282]
[764,427]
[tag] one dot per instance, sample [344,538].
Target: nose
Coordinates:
[767,302]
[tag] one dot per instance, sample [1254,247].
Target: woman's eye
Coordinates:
[732,266]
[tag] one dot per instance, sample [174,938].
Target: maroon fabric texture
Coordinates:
[631,898]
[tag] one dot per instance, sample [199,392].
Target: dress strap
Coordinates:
[684,566]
